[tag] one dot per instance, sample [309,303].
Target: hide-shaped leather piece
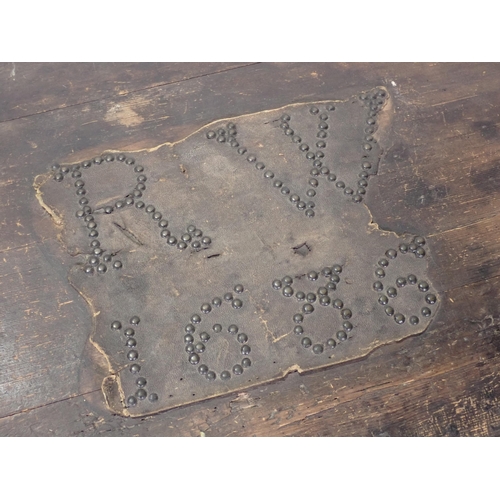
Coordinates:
[239,254]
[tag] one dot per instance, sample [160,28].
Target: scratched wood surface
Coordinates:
[441,178]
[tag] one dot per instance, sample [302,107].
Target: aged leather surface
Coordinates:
[261,247]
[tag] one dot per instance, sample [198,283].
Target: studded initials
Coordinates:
[241,253]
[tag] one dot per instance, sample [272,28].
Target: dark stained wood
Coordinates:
[30,88]
[441,179]
[443,382]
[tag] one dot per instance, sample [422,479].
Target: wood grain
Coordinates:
[440,179]
[32,88]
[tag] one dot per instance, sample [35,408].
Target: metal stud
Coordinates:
[324,300]
[276,284]
[391,253]
[383,300]
[298,318]
[306,342]
[338,304]
[341,335]
[317,348]
[242,338]
[331,343]
[312,275]
[194,359]
[430,298]
[347,326]
[93,261]
[141,394]
[420,252]
[401,282]
[399,318]
[308,308]
[346,313]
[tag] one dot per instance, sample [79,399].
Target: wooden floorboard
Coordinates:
[441,178]
[32,88]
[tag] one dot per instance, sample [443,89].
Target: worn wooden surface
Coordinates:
[440,179]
